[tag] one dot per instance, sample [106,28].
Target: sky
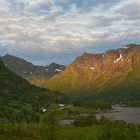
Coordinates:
[45,31]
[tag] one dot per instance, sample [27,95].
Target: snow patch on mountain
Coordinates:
[129,60]
[58,70]
[125,47]
[92,68]
[118,59]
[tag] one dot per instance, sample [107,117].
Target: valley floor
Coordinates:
[107,129]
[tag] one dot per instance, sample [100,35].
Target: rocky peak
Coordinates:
[54,66]
[25,68]
[97,69]
[100,63]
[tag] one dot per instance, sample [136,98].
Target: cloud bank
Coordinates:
[45,31]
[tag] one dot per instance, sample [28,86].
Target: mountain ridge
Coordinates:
[35,74]
[97,73]
[22,67]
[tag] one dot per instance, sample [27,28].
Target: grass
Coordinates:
[70,132]
[72,112]
[39,132]
[34,131]
[77,133]
[81,109]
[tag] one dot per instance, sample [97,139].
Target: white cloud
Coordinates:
[46,26]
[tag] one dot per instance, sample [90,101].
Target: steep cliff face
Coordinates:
[97,73]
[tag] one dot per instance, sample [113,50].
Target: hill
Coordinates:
[18,98]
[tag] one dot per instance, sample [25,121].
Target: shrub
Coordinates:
[119,130]
[85,121]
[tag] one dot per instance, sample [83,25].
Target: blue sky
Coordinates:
[45,31]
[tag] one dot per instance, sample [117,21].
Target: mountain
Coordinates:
[36,75]
[18,97]
[11,84]
[114,74]
[22,67]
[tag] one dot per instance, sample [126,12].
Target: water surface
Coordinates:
[128,114]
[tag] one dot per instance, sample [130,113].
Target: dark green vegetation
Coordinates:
[20,100]
[119,130]
[104,129]
[85,120]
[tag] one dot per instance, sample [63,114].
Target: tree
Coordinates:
[119,130]
[91,120]
[51,122]
[85,120]
[80,121]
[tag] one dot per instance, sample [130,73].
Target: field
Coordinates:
[39,132]
[77,133]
